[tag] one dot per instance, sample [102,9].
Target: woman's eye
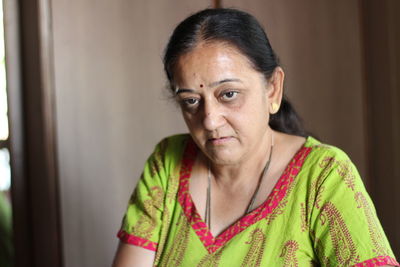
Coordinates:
[190,102]
[229,95]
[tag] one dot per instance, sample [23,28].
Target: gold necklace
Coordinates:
[253,198]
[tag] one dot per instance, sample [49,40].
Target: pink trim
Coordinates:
[378,261]
[210,242]
[137,241]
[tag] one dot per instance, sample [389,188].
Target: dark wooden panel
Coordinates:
[21,214]
[30,77]
[381,35]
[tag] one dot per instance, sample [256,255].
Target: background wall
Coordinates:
[381,38]
[319,44]
[111,109]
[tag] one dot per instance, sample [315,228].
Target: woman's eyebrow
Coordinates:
[224,81]
[213,84]
[183,90]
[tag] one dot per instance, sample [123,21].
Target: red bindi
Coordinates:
[201,85]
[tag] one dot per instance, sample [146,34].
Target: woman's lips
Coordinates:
[220,140]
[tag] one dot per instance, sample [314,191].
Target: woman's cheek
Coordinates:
[237,104]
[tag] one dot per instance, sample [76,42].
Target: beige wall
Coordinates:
[111,110]
[319,44]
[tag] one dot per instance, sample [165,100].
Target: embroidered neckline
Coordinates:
[279,191]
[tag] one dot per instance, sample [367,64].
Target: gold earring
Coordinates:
[275,108]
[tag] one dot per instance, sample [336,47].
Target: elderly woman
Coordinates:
[247,186]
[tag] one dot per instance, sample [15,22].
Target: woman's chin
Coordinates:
[224,151]
[221,158]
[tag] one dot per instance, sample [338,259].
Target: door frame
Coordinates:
[30,84]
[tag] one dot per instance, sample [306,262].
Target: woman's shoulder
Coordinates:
[172,144]
[339,208]
[327,164]
[171,148]
[319,150]
[175,140]
[324,160]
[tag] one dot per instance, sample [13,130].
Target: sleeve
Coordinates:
[344,226]
[141,224]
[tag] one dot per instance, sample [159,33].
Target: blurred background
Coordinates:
[83,102]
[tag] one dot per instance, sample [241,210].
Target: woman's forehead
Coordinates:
[212,48]
[214,61]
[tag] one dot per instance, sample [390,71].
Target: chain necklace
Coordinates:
[253,198]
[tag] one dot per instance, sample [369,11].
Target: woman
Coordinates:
[248,186]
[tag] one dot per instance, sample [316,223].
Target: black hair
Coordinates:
[244,32]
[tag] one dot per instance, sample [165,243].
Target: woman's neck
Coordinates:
[250,168]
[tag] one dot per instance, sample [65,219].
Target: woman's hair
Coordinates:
[243,31]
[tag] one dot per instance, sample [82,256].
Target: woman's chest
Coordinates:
[270,237]
[275,240]
[227,205]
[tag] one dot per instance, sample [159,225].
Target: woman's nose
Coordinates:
[213,116]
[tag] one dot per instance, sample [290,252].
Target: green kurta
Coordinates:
[318,213]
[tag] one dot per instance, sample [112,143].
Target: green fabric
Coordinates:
[323,216]
[6,247]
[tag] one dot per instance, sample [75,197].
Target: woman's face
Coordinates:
[225,102]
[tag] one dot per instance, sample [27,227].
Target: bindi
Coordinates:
[201,85]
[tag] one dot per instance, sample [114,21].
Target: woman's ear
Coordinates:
[275,89]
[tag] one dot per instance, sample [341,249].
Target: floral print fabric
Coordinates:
[318,213]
